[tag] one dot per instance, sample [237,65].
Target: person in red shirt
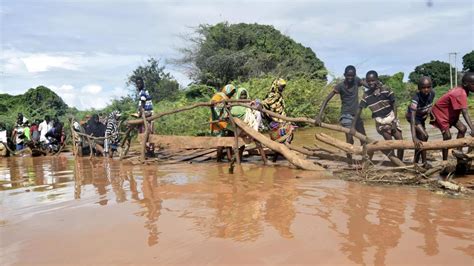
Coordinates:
[447,109]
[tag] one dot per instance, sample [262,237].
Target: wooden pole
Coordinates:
[147,134]
[236,136]
[353,149]
[278,147]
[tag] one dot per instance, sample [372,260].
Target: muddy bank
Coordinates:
[57,210]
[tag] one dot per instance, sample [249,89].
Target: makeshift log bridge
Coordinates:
[292,154]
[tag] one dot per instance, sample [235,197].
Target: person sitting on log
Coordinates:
[447,109]
[251,117]
[348,91]
[380,99]
[218,120]
[416,115]
[111,133]
[280,130]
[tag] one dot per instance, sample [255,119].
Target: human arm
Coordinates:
[323,107]
[467,117]
[416,141]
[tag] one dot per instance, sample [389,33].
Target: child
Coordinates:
[348,90]
[417,113]
[145,106]
[381,101]
[447,109]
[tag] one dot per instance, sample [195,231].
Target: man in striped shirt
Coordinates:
[381,101]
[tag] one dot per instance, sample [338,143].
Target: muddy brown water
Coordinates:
[61,210]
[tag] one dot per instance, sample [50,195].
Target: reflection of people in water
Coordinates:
[280,211]
[239,209]
[100,181]
[386,234]
[423,213]
[243,204]
[356,207]
[116,182]
[152,203]
[362,234]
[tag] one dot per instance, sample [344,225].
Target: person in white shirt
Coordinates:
[44,127]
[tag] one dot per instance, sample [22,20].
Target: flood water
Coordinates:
[58,210]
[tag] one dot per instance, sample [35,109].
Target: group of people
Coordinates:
[103,131]
[280,130]
[379,98]
[46,134]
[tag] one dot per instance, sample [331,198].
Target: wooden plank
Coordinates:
[192,156]
[205,157]
[190,142]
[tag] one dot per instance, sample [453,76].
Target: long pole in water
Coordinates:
[455,70]
[450,72]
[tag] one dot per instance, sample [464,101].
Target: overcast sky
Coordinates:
[85,49]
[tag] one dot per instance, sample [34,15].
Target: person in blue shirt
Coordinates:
[144,99]
[145,105]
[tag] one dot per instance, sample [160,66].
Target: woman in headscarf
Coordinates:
[251,117]
[218,113]
[280,130]
[111,133]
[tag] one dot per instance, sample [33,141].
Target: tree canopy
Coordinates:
[468,61]
[160,84]
[438,71]
[221,53]
[33,104]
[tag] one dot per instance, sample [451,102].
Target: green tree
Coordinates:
[160,84]
[468,61]
[221,53]
[438,72]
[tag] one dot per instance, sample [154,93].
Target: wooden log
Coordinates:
[146,136]
[278,147]
[189,142]
[196,154]
[349,148]
[196,105]
[397,144]
[430,145]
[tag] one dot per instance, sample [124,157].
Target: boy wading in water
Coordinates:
[417,113]
[381,101]
[447,109]
[348,90]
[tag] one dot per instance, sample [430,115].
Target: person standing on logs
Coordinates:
[145,106]
[348,90]
[380,99]
[416,115]
[218,119]
[447,109]
[280,130]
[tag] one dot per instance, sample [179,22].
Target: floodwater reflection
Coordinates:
[202,209]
